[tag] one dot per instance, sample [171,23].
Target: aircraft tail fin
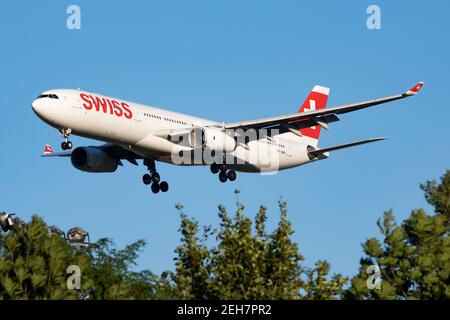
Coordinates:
[317,99]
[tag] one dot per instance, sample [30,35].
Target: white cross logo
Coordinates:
[312,107]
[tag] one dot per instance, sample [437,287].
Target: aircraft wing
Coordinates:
[120,153]
[319,117]
[113,150]
[48,152]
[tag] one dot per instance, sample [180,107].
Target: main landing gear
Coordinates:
[154,178]
[224,173]
[66,144]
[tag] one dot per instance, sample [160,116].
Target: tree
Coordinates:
[414,257]
[109,270]
[318,286]
[33,264]
[191,264]
[438,195]
[244,263]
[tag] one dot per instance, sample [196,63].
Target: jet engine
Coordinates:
[92,159]
[212,139]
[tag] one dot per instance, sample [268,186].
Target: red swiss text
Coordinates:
[106,105]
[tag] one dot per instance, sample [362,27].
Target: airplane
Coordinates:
[133,131]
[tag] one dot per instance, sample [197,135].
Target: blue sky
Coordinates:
[230,60]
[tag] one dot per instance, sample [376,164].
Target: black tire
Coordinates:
[164,186]
[223,167]
[214,168]
[223,176]
[231,175]
[69,145]
[155,188]
[146,179]
[156,177]
[63,145]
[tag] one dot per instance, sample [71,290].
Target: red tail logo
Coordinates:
[316,100]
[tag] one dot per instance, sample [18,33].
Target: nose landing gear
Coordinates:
[154,178]
[66,144]
[224,173]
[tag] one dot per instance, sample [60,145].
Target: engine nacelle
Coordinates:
[212,139]
[91,159]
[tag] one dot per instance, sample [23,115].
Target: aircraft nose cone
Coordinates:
[35,105]
[44,110]
[41,110]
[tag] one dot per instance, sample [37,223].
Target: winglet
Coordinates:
[414,90]
[47,150]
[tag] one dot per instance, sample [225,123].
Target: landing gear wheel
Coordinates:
[155,177]
[164,186]
[231,175]
[223,167]
[155,187]
[66,144]
[223,176]
[147,179]
[214,168]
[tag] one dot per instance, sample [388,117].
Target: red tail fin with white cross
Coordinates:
[316,100]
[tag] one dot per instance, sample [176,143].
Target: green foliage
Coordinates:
[191,270]
[33,264]
[240,259]
[438,195]
[319,287]
[110,272]
[245,263]
[414,257]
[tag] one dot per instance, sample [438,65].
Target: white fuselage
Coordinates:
[133,127]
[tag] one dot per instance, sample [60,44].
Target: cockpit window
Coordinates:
[51,96]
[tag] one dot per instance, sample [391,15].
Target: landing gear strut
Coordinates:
[66,144]
[224,173]
[154,178]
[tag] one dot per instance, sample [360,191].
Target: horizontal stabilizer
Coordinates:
[318,152]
